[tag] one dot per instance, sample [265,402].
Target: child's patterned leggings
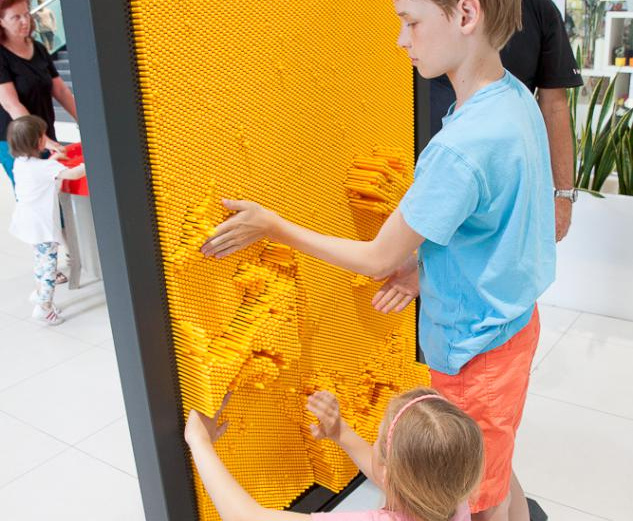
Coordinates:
[45,271]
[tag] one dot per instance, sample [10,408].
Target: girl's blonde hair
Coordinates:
[435,459]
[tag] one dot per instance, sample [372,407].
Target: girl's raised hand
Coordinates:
[202,429]
[324,406]
[251,223]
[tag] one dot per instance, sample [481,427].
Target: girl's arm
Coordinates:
[325,407]
[76,172]
[232,502]
[378,258]
[63,94]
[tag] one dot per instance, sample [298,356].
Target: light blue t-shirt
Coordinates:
[483,199]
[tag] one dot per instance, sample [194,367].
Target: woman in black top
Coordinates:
[28,78]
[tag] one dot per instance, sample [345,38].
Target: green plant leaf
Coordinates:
[607,103]
[586,164]
[595,194]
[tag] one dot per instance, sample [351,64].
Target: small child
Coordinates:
[428,459]
[36,219]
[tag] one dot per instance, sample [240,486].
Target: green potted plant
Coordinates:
[599,240]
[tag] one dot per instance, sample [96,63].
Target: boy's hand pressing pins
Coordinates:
[202,429]
[324,406]
[251,223]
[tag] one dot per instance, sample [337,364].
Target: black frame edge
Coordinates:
[100,50]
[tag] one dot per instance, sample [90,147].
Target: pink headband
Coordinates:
[401,412]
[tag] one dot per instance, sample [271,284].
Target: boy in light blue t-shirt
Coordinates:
[483,200]
[481,212]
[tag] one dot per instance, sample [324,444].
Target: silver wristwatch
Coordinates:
[572,194]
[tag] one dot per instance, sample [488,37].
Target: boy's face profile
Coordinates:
[433,40]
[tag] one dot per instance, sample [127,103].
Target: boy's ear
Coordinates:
[470,13]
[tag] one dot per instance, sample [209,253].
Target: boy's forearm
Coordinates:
[359,451]
[378,258]
[355,256]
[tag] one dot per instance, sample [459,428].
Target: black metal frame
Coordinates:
[112,129]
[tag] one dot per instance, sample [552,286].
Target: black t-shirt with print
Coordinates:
[33,80]
[539,55]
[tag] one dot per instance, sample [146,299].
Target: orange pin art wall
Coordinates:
[306,108]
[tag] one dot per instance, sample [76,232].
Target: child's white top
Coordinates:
[36,217]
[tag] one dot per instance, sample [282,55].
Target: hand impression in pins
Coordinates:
[251,223]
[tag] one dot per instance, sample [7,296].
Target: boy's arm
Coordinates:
[232,502]
[378,258]
[76,172]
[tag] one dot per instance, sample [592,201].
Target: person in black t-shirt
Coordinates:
[28,78]
[541,57]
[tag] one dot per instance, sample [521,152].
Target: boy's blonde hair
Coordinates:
[502,18]
[24,134]
[435,460]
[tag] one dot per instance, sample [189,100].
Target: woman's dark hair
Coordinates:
[7,4]
[24,134]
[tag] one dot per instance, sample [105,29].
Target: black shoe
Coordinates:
[536,512]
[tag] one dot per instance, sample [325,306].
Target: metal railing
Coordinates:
[49,25]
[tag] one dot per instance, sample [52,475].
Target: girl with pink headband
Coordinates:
[428,460]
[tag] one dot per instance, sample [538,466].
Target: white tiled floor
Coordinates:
[65,451]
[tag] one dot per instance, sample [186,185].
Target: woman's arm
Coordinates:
[10,101]
[378,258]
[232,502]
[63,94]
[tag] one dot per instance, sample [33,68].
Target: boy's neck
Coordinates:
[474,73]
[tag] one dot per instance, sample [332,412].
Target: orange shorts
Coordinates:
[492,389]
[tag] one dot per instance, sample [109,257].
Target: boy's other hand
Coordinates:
[324,406]
[202,429]
[251,223]
[398,291]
